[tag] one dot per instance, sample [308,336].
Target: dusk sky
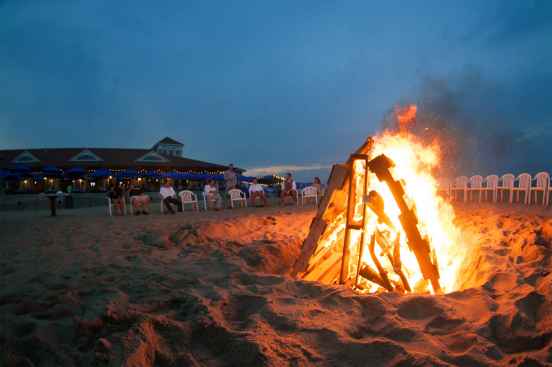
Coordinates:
[286,83]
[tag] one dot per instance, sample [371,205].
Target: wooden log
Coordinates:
[336,182]
[321,268]
[332,205]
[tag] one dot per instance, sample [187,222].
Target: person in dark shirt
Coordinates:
[115,193]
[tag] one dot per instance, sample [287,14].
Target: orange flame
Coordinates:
[414,163]
[406,115]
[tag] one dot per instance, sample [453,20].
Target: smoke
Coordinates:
[484,127]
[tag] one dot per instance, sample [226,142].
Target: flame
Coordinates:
[406,115]
[414,163]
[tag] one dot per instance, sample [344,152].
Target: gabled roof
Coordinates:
[167,140]
[152,156]
[25,157]
[86,155]
[112,158]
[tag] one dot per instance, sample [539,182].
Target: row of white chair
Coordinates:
[464,188]
[237,196]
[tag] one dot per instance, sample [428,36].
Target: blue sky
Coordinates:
[288,83]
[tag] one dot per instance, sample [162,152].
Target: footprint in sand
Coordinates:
[419,308]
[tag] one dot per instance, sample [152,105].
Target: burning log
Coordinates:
[420,246]
[363,221]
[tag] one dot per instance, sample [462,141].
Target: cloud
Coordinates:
[272,170]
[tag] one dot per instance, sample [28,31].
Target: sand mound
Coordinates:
[215,291]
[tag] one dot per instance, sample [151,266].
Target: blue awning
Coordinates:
[101,172]
[151,174]
[129,173]
[21,168]
[50,169]
[76,171]
[246,178]
[12,176]
[192,176]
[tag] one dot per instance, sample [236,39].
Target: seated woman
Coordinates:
[289,189]
[116,195]
[256,191]
[214,200]
[139,200]
[319,187]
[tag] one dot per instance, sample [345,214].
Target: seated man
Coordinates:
[116,195]
[289,189]
[139,200]
[168,195]
[214,200]
[256,191]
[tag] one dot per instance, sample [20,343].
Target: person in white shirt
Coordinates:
[256,191]
[168,195]
[212,195]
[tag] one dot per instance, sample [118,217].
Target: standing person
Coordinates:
[139,200]
[116,195]
[168,195]
[212,195]
[230,178]
[256,190]
[289,189]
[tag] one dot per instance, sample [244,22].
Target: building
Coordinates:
[94,169]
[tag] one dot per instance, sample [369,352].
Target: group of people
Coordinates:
[140,201]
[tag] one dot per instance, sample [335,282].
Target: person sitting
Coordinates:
[116,195]
[212,195]
[256,190]
[139,200]
[289,189]
[319,187]
[168,195]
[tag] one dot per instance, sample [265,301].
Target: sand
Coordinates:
[213,289]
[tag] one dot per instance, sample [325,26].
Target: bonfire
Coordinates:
[383,224]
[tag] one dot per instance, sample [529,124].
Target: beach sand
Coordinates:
[213,289]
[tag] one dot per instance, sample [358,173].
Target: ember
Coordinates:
[382,224]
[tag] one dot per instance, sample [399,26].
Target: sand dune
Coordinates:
[213,290]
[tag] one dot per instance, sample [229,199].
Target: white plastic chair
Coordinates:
[524,186]
[204,201]
[506,185]
[309,192]
[110,206]
[460,186]
[476,185]
[161,206]
[491,185]
[237,195]
[542,185]
[188,197]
